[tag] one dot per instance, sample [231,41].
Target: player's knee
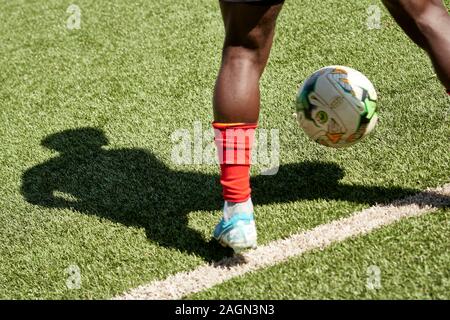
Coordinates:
[251,48]
[255,40]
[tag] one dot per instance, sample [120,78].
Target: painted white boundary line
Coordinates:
[365,221]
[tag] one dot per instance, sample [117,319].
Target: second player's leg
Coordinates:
[249,31]
[427,23]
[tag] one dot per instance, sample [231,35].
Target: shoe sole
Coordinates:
[237,249]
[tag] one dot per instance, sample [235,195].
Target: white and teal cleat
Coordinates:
[237,228]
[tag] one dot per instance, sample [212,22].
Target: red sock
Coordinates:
[234,144]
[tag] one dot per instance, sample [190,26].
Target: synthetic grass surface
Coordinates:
[86,176]
[407,260]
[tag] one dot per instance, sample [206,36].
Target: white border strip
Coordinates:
[206,276]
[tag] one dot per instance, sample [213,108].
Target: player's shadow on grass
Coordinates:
[132,187]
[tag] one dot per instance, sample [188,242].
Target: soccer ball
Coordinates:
[337,106]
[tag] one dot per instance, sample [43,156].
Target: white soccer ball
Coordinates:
[337,106]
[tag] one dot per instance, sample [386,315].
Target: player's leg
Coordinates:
[249,31]
[427,23]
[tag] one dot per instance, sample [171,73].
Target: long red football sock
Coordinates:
[234,144]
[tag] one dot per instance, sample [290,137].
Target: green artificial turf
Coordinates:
[411,258]
[86,176]
[407,260]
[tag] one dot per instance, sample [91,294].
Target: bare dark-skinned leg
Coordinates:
[427,23]
[248,40]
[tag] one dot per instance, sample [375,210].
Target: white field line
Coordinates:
[365,221]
